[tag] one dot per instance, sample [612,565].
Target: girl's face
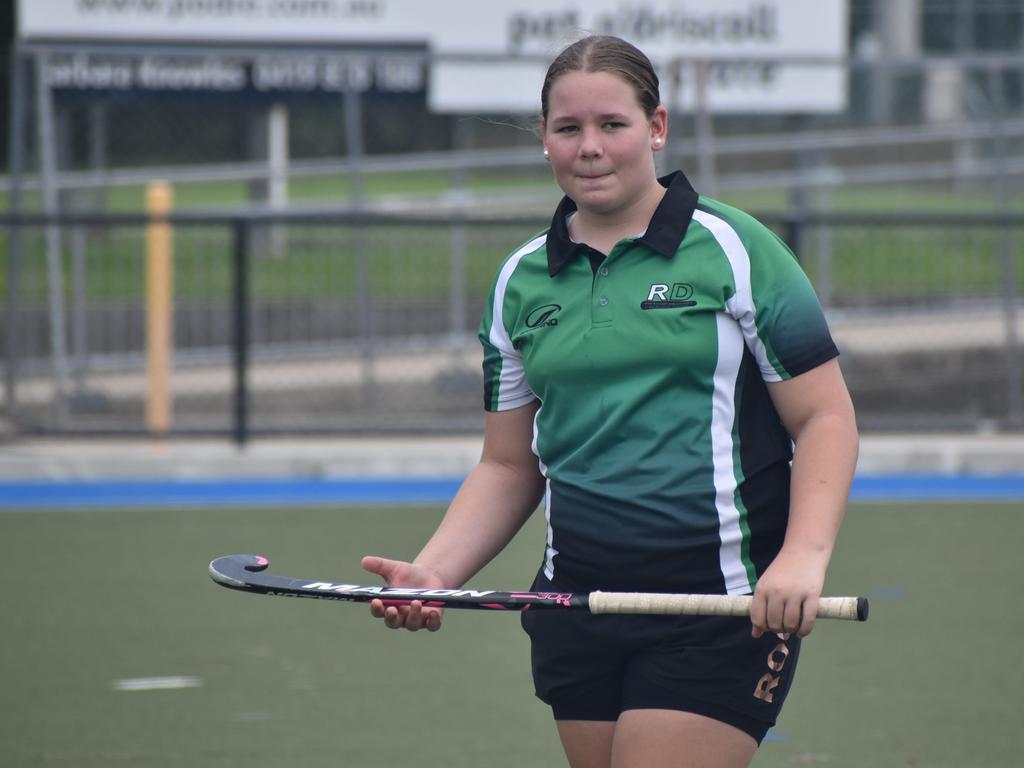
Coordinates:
[600,141]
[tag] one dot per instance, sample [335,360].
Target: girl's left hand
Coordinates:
[786,596]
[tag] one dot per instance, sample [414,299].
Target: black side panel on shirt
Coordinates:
[765,453]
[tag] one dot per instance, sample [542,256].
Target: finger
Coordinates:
[791,618]
[371,563]
[392,617]
[757,615]
[810,613]
[380,566]
[433,621]
[414,617]
[774,614]
[377,609]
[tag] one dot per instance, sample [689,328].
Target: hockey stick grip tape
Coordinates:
[848,608]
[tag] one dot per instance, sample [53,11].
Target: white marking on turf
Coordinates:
[155,683]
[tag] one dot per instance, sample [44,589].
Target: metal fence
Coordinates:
[332,249]
[366,322]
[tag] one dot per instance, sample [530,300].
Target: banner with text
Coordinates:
[766,55]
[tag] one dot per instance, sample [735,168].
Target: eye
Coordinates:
[614,124]
[566,129]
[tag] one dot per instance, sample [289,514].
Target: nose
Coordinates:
[590,143]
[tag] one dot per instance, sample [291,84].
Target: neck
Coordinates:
[602,229]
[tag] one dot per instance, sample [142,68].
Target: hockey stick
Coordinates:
[247,574]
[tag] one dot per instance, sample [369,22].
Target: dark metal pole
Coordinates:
[794,229]
[48,173]
[240,304]
[1005,254]
[16,144]
[704,131]
[365,325]
[457,312]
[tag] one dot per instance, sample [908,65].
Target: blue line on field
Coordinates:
[224,492]
[80,494]
[924,487]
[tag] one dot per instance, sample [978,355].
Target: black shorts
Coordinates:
[588,667]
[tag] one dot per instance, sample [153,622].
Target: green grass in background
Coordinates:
[328,188]
[338,188]
[414,262]
[96,596]
[850,264]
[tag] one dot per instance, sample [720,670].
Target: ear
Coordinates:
[659,125]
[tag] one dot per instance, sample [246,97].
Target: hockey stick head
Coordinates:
[229,571]
[248,573]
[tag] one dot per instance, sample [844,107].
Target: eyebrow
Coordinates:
[603,117]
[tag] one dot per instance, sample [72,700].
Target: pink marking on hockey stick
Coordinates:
[560,598]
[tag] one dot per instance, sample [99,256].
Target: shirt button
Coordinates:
[604,271]
[603,301]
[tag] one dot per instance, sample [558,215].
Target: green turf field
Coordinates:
[93,597]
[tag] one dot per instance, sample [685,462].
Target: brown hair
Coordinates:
[603,53]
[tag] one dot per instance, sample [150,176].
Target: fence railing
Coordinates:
[969,137]
[344,323]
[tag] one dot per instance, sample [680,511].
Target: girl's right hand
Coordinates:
[398,573]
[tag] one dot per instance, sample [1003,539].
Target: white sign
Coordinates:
[524,33]
[732,86]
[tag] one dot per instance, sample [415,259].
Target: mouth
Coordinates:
[592,176]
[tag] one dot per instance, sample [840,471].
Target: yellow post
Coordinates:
[159,297]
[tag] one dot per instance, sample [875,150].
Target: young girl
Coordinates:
[658,371]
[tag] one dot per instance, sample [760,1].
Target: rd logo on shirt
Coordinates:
[665,296]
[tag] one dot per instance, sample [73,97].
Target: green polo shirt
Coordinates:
[666,463]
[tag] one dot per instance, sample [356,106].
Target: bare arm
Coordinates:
[815,408]
[493,502]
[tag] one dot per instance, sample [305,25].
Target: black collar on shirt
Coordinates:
[664,232]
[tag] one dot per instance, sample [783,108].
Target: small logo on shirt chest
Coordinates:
[540,317]
[665,296]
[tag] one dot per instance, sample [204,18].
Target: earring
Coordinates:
[657,142]
[547,155]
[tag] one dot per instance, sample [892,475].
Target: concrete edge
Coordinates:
[52,459]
